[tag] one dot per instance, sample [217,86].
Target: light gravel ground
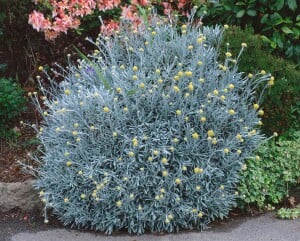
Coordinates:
[262,228]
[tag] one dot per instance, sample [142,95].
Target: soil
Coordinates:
[15,151]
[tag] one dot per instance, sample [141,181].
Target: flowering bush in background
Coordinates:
[67,14]
[149,133]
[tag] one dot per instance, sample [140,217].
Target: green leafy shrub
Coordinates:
[289,213]
[12,103]
[278,21]
[149,133]
[269,177]
[281,101]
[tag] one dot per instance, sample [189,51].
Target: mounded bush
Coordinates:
[149,133]
[279,102]
[272,174]
[12,103]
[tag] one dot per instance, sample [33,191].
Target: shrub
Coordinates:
[269,177]
[12,103]
[282,100]
[149,133]
[289,213]
[277,21]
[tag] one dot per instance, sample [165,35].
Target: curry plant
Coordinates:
[148,133]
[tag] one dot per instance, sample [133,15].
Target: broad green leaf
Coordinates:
[265,39]
[287,30]
[228,7]
[278,38]
[292,4]
[251,13]
[240,4]
[278,5]
[264,18]
[240,13]
[276,19]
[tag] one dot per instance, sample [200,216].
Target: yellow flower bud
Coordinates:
[256,106]
[176,88]
[135,142]
[244,45]
[195,135]
[263,72]
[164,161]
[69,163]
[198,170]
[231,86]
[188,73]
[261,112]
[228,54]
[191,86]
[165,173]
[210,133]
[231,112]
[119,203]
[177,181]
[106,109]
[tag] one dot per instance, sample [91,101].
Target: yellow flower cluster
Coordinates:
[198,170]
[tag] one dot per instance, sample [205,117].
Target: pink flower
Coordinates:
[142,3]
[109,27]
[38,21]
[182,3]
[107,4]
[167,8]
[50,34]
[128,12]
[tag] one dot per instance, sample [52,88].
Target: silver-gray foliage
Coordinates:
[149,133]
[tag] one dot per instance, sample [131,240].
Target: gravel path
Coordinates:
[262,228]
